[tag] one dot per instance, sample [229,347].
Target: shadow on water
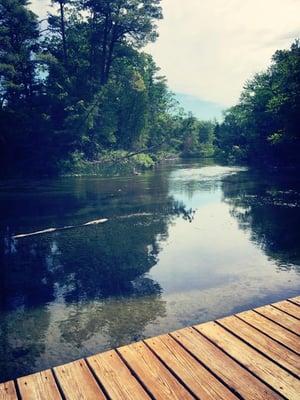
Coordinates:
[268,207]
[91,280]
[164,259]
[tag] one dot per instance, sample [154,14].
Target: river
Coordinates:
[185,243]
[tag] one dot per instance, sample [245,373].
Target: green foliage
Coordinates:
[80,87]
[264,128]
[119,162]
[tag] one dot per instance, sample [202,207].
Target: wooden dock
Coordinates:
[251,355]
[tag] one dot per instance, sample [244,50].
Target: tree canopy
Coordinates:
[264,127]
[80,84]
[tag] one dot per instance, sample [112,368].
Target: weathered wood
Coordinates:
[77,382]
[154,375]
[116,378]
[268,371]
[8,391]
[197,378]
[252,355]
[263,343]
[295,300]
[39,386]
[289,308]
[270,328]
[230,372]
[280,318]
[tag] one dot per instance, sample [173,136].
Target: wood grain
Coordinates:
[251,355]
[238,379]
[280,318]
[154,375]
[289,308]
[197,378]
[263,343]
[268,371]
[116,378]
[77,382]
[295,300]
[8,391]
[270,328]
[39,386]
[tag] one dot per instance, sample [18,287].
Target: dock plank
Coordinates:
[77,382]
[116,378]
[8,391]
[285,384]
[263,343]
[280,318]
[288,307]
[238,379]
[197,378]
[39,386]
[295,300]
[270,328]
[251,355]
[154,375]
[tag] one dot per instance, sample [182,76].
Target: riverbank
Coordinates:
[116,163]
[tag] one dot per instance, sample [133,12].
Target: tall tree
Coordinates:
[264,127]
[18,37]
[62,25]
[113,22]
[19,82]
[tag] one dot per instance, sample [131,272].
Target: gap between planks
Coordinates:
[253,354]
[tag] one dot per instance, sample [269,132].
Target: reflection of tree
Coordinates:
[25,279]
[98,272]
[106,260]
[121,319]
[22,340]
[95,261]
[269,207]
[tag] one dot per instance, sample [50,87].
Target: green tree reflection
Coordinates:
[268,206]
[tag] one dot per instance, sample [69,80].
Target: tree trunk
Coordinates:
[104,52]
[109,56]
[63,31]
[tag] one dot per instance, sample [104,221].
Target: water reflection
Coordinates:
[183,244]
[67,287]
[268,206]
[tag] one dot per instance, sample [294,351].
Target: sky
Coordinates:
[208,48]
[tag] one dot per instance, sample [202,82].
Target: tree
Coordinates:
[19,82]
[61,25]
[264,127]
[18,37]
[81,87]
[115,22]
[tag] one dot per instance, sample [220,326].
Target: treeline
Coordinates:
[78,85]
[264,127]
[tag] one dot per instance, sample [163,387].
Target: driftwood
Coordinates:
[63,228]
[116,159]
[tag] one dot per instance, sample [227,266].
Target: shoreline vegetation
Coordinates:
[77,89]
[78,93]
[116,163]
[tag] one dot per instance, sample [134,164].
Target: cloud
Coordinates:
[41,7]
[209,48]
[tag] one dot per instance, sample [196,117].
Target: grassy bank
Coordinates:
[114,163]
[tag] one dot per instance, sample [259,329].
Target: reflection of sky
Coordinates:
[198,199]
[211,251]
[206,268]
[198,187]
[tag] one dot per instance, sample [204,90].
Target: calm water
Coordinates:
[183,244]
